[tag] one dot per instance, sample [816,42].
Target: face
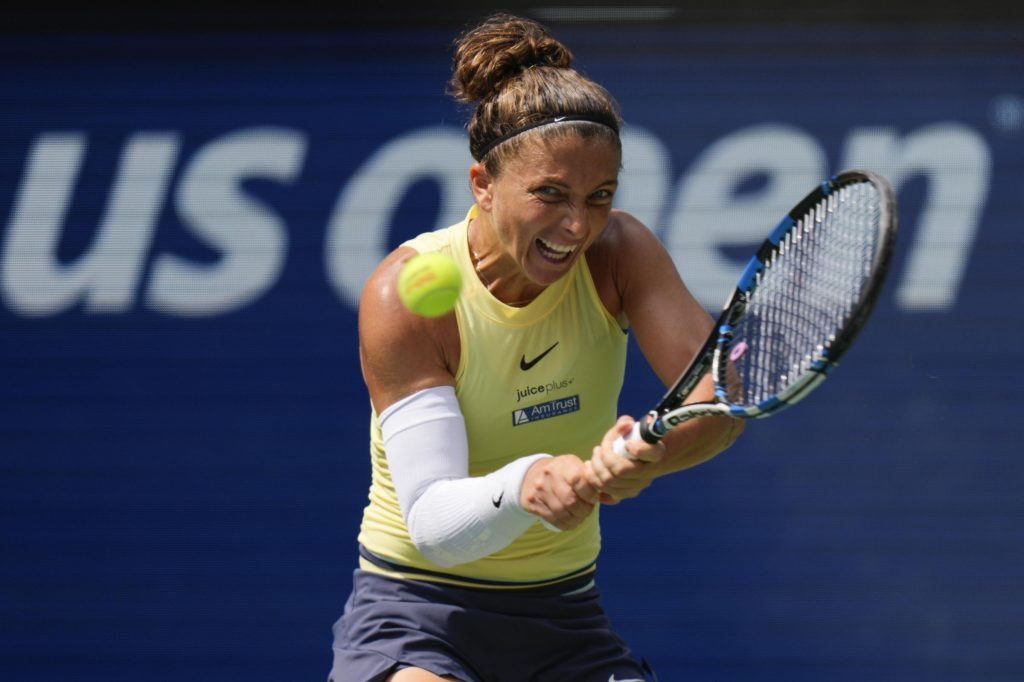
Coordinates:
[547,205]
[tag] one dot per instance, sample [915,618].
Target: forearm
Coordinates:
[697,441]
[452,518]
[457,521]
[619,478]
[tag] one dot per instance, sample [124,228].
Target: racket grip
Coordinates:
[619,446]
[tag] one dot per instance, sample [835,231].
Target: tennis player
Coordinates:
[492,427]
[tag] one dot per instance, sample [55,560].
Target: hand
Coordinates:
[557,489]
[616,477]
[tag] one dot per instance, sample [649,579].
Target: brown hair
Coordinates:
[518,76]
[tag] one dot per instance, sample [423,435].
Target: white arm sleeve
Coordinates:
[452,518]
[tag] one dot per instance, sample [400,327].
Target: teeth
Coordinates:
[557,248]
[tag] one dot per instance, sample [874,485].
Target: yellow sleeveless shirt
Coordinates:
[542,378]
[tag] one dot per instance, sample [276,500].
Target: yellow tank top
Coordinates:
[542,378]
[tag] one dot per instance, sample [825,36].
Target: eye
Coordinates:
[547,192]
[602,196]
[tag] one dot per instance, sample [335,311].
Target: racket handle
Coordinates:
[619,446]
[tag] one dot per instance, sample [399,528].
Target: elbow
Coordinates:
[432,550]
[429,543]
[733,431]
[446,545]
[727,431]
[437,556]
[437,550]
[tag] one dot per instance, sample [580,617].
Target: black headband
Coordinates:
[609,123]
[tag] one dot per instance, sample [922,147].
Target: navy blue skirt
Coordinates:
[555,634]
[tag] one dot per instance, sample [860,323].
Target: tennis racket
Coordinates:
[798,306]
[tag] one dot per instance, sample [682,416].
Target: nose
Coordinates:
[575,220]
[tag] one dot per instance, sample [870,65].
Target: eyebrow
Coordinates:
[550,180]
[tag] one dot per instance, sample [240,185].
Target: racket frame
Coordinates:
[713,355]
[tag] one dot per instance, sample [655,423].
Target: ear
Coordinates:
[482,185]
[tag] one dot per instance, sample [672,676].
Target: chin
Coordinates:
[551,272]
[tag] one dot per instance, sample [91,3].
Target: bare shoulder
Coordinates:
[401,352]
[623,241]
[626,246]
[623,228]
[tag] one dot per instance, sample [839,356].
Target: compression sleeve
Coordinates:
[452,518]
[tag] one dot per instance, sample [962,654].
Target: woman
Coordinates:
[492,426]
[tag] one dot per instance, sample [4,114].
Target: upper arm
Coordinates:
[670,327]
[669,324]
[401,352]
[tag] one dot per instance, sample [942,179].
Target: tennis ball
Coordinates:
[429,284]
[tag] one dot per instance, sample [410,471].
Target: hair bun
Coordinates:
[498,49]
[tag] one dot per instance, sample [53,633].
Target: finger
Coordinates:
[642,451]
[553,515]
[623,425]
[569,518]
[602,474]
[568,508]
[572,504]
[646,452]
[621,429]
[584,488]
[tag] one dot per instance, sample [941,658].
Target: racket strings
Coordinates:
[809,287]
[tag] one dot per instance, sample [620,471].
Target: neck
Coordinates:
[495,285]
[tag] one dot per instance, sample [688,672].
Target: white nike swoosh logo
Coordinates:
[632,679]
[559,119]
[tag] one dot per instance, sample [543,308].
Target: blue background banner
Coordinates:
[188,220]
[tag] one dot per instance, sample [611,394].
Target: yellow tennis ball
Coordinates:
[429,284]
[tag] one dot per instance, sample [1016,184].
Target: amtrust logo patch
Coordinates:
[552,408]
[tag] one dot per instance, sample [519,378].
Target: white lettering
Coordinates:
[251,238]
[357,232]
[646,176]
[957,162]
[107,275]
[710,215]
[720,209]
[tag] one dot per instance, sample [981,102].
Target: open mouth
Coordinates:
[555,252]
